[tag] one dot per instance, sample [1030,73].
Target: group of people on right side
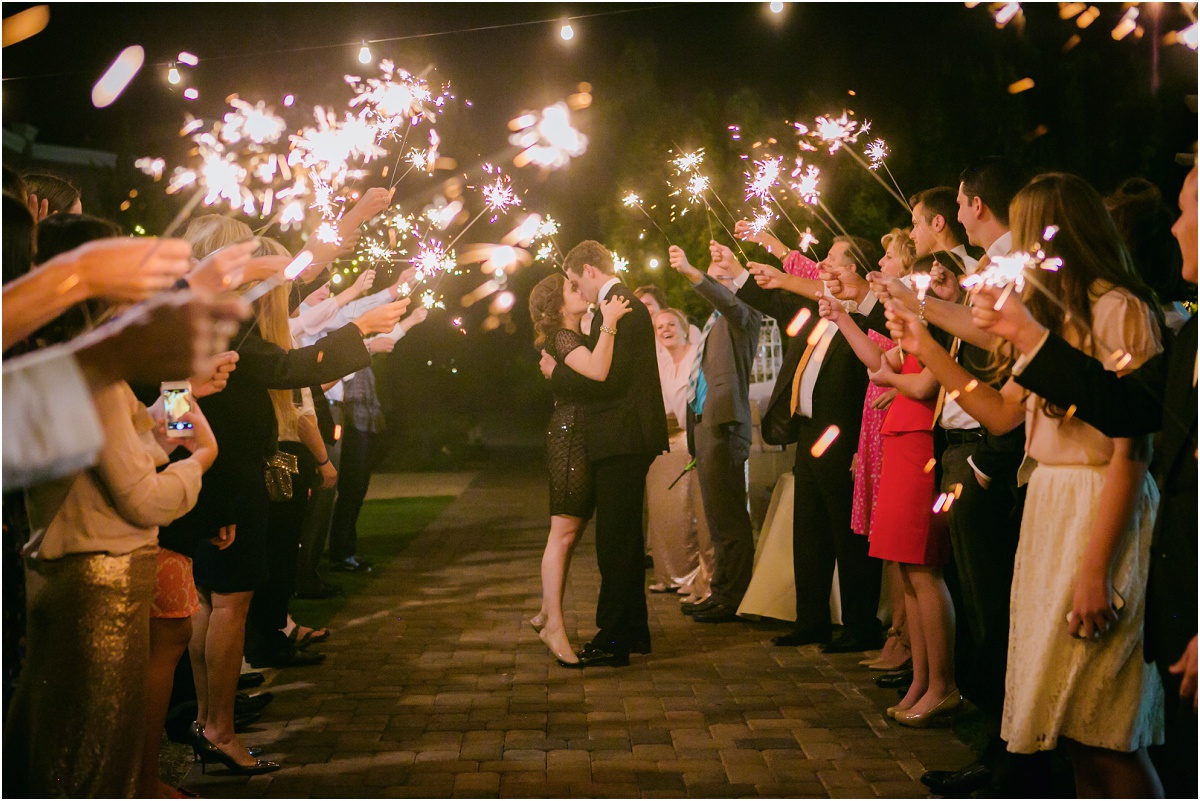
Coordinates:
[1021,459]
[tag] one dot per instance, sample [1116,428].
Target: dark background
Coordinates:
[933,78]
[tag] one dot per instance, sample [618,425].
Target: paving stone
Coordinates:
[436,688]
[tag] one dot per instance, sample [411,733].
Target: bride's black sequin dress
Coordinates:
[570,474]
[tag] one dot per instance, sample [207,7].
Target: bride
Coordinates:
[557,308]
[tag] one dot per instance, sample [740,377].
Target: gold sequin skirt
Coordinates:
[75,726]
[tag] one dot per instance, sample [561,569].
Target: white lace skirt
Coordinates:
[1097,692]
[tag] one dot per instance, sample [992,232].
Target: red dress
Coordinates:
[904,528]
[868,466]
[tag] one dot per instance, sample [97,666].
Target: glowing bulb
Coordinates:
[173,76]
[567,32]
[776,7]
[187,58]
[364,54]
[191,94]
[288,100]
[654,264]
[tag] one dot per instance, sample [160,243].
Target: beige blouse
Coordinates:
[1121,323]
[117,506]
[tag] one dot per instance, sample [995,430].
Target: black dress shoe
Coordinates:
[285,657]
[798,637]
[715,613]
[692,608]
[958,783]
[852,641]
[591,656]
[244,704]
[640,647]
[249,680]
[895,679]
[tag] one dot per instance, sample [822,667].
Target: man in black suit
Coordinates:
[720,430]
[625,428]
[1158,396]
[818,395]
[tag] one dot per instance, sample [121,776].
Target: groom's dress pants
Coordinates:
[621,616]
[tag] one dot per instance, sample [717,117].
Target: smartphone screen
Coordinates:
[175,406]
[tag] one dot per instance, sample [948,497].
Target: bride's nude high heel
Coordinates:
[567,658]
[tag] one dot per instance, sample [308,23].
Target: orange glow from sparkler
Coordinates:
[824,441]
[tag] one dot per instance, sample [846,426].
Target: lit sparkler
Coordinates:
[807,240]
[688,162]
[876,151]
[837,131]
[499,196]
[808,182]
[548,139]
[634,201]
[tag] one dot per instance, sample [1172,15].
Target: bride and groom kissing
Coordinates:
[608,425]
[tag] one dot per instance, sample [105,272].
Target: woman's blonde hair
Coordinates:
[211,232]
[907,248]
[272,313]
[545,308]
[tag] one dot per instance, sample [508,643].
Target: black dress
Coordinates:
[571,490]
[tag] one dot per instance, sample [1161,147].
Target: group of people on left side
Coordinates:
[153,531]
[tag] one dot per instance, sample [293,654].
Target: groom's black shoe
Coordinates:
[592,656]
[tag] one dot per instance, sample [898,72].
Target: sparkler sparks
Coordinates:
[807,240]
[620,263]
[432,259]
[688,162]
[696,187]
[876,151]
[549,139]
[499,195]
[835,132]
[631,200]
[808,184]
[766,175]
[762,221]
[921,282]
[258,123]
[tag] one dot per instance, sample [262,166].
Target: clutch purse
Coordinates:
[278,472]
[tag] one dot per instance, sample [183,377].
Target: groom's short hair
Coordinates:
[589,251]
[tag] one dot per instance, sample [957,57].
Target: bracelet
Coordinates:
[921,312]
[606,330]
[322,464]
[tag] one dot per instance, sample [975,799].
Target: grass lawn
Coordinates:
[385,527]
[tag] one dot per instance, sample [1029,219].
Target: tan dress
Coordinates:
[677,528]
[1097,692]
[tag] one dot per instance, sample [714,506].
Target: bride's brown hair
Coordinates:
[545,308]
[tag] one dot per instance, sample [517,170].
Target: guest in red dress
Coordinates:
[908,528]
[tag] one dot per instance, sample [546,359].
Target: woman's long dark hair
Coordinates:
[545,308]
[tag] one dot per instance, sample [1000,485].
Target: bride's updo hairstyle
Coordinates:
[545,307]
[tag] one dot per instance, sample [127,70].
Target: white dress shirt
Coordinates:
[953,416]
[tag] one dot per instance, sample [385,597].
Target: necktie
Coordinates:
[804,359]
[941,401]
[697,386]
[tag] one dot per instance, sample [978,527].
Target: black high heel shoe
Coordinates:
[207,752]
[195,733]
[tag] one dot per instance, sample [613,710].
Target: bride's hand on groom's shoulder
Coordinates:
[547,364]
[613,309]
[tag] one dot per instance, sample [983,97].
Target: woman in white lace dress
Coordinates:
[1075,665]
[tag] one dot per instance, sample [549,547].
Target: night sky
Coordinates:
[933,78]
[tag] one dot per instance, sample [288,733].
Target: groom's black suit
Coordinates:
[625,428]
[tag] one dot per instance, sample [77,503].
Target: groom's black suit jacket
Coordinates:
[625,414]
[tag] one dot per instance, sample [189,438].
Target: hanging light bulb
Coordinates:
[566,32]
[173,75]
[364,54]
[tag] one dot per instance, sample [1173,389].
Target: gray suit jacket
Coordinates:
[728,358]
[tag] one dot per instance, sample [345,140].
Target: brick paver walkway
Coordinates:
[436,686]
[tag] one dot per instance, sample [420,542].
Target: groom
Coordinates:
[625,428]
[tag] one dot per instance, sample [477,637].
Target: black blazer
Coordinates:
[841,383]
[1158,396]
[243,420]
[623,415]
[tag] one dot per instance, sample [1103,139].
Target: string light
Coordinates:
[364,54]
[173,75]
[566,32]
[776,7]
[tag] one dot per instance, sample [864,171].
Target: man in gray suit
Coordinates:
[719,431]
